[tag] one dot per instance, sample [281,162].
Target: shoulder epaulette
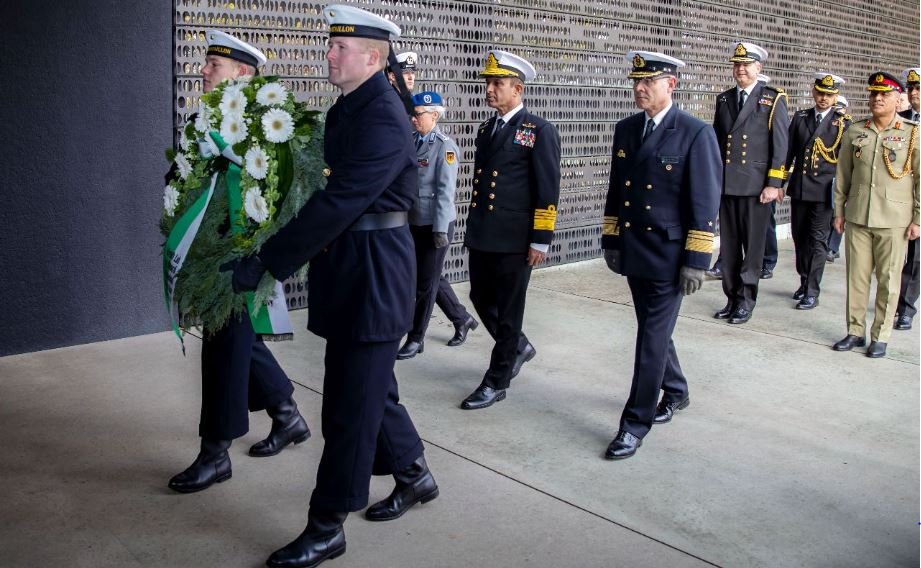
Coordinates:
[910,122]
[441,136]
[773,88]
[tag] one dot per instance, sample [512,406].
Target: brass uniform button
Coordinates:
[627,224]
[745,137]
[478,170]
[626,204]
[490,208]
[743,161]
[649,186]
[727,161]
[475,193]
[492,195]
[476,181]
[627,183]
[743,153]
[492,184]
[648,228]
[729,136]
[495,173]
[648,207]
[473,204]
[327,172]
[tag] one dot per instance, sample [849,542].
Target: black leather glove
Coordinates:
[440,239]
[691,279]
[612,258]
[247,272]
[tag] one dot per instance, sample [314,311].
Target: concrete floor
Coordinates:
[789,455]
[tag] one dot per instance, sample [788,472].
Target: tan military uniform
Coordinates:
[876,192]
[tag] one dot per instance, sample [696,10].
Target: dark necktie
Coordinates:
[742,95]
[818,120]
[499,124]
[914,116]
[650,126]
[418,142]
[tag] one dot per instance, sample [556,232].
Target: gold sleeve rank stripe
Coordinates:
[609,226]
[545,219]
[779,173]
[699,241]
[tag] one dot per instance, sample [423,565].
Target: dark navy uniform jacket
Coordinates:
[810,179]
[753,140]
[516,185]
[664,195]
[361,284]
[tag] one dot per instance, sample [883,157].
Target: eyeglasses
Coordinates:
[420,113]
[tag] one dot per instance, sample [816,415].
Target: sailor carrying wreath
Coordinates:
[246,163]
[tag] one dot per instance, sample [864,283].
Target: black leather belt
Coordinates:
[380,221]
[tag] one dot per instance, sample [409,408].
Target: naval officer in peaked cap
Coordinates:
[361,289]
[657,230]
[406,65]
[751,127]
[513,208]
[815,141]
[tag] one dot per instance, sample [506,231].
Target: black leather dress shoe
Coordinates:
[461,331]
[807,303]
[724,313]
[415,484]
[288,427]
[211,466]
[876,350]
[523,357]
[800,293]
[714,274]
[623,446]
[666,410]
[410,349]
[482,397]
[849,342]
[902,323]
[767,273]
[323,539]
[740,315]
[831,255]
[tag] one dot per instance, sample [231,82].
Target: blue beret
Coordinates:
[427,98]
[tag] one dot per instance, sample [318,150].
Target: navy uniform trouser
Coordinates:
[366,431]
[498,290]
[810,223]
[908,295]
[430,285]
[744,222]
[238,375]
[655,364]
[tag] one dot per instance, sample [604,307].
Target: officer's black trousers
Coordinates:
[365,428]
[834,237]
[430,285]
[770,242]
[655,364]
[238,375]
[810,222]
[498,289]
[908,297]
[743,228]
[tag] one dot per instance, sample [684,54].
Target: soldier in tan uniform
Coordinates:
[876,198]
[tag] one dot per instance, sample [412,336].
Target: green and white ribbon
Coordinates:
[177,248]
[271,319]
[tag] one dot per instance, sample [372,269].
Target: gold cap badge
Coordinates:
[741,51]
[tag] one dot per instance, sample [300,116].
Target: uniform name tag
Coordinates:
[669,159]
[525,137]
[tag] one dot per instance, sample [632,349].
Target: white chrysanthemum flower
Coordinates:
[203,120]
[255,205]
[184,142]
[233,101]
[233,129]
[277,125]
[183,166]
[272,94]
[257,162]
[170,199]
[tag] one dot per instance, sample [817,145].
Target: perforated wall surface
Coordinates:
[582,85]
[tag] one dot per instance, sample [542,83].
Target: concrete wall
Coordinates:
[86,89]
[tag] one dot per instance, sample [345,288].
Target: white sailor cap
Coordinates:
[746,52]
[828,83]
[764,78]
[912,75]
[225,45]
[842,101]
[652,64]
[504,64]
[350,21]
[407,60]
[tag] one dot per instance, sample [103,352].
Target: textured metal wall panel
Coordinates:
[582,85]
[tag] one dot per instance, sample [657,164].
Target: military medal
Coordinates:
[525,136]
